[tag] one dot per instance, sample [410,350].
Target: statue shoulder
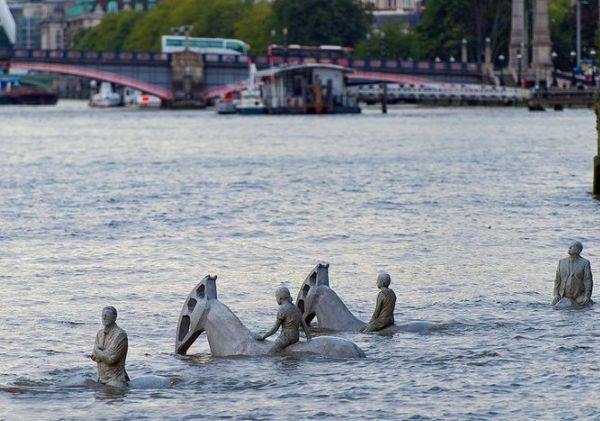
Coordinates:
[120,333]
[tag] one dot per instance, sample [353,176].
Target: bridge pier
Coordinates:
[187,76]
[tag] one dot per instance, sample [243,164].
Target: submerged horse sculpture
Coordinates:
[227,336]
[317,299]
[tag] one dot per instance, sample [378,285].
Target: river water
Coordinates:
[469,209]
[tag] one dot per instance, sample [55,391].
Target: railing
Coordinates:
[86,56]
[262,62]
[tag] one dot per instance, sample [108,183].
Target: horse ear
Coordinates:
[211,287]
[322,270]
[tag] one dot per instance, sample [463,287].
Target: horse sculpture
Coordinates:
[227,336]
[317,299]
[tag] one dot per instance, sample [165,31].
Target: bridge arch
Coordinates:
[100,75]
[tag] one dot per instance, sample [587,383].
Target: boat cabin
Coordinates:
[311,88]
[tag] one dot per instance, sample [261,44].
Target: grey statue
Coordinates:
[110,351]
[383,316]
[573,283]
[290,319]
[317,300]
[203,312]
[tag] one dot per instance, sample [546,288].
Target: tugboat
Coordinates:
[250,101]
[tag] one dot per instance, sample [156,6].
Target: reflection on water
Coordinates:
[468,209]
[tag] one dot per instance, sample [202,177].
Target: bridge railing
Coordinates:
[377,65]
[89,56]
[262,62]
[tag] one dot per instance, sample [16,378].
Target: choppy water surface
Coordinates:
[469,210]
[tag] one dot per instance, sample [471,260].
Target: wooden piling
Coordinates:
[384,98]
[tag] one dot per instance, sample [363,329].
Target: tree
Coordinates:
[398,42]
[255,27]
[315,22]
[110,34]
[446,22]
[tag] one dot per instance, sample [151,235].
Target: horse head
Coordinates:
[305,300]
[190,324]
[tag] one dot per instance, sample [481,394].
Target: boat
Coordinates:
[250,101]
[105,97]
[147,101]
[14,92]
[227,104]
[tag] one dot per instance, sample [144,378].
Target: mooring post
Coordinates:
[384,98]
[596,188]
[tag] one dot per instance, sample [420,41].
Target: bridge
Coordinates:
[157,73]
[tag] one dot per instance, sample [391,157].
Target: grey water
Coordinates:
[468,209]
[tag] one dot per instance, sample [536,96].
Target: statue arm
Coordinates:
[306,330]
[378,307]
[557,281]
[113,354]
[588,282]
[271,331]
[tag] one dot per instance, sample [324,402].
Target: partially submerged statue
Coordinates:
[383,316]
[110,351]
[290,319]
[227,336]
[316,300]
[573,283]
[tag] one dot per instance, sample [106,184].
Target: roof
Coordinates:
[294,67]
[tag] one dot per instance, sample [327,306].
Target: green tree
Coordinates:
[446,22]
[314,22]
[111,33]
[396,39]
[255,27]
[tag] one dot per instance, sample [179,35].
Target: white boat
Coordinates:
[105,97]
[250,101]
[148,101]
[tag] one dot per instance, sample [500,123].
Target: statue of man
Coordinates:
[290,319]
[383,316]
[574,278]
[110,351]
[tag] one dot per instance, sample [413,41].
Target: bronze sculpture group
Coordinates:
[203,312]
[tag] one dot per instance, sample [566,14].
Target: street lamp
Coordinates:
[593,56]
[501,61]
[382,46]
[285,43]
[573,56]
[368,36]
[519,67]
[554,57]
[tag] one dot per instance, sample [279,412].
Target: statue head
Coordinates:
[109,316]
[383,280]
[282,294]
[575,248]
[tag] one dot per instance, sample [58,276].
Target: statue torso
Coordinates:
[115,343]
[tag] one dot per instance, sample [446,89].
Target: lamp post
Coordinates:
[519,67]
[464,56]
[578,30]
[593,56]
[501,61]
[285,43]
[368,36]
[573,56]
[382,46]
[554,57]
